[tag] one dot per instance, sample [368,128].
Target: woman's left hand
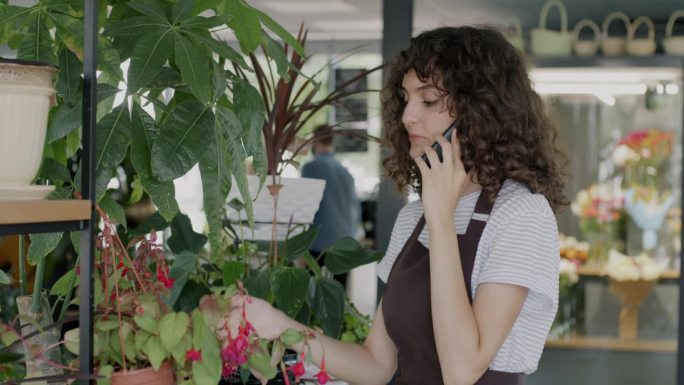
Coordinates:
[442,181]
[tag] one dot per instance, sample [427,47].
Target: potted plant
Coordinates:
[287,101]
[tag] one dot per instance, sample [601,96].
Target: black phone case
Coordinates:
[438,149]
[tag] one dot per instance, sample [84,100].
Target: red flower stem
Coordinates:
[128,259]
[286,378]
[118,312]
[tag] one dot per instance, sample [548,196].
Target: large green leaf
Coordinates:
[148,57]
[193,65]
[208,369]
[261,362]
[326,299]
[109,60]
[276,52]
[155,222]
[227,119]
[155,9]
[69,78]
[221,48]
[184,265]
[245,23]
[203,5]
[300,244]
[68,117]
[290,285]
[259,284]
[143,134]
[205,23]
[70,31]
[135,26]
[182,10]
[183,237]
[250,112]
[172,328]
[216,182]
[61,287]
[280,31]
[347,254]
[183,139]
[54,171]
[232,271]
[113,209]
[41,246]
[113,136]
[37,44]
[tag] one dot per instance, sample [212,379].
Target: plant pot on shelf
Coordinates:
[298,202]
[146,376]
[632,294]
[41,350]
[26,94]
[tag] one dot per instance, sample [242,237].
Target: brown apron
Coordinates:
[408,313]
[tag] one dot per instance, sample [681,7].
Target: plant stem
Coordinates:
[312,264]
[22,267]
[38,286]
[69,293]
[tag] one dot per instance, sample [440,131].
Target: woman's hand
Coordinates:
[442,181]
[268,322]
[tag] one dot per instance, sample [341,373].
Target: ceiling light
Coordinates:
[590,88]
[309,7]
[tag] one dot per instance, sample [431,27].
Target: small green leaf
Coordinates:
[300,244]
[183,139]
[179,351]
[113,209]
[221,48]
[232,271]
[259,284]
[205,23]
[105,326]
[61,287]
[172,328]
[183,237]
[135,26]
[155,222]
[261,362]
[183,266]
[199,329]
[163,195]
[54,171]
[146,323]
[4,278]
[69,78]
[276,52]
[250,112]
[327,303]
[137,191]
[42,245]
[347,254]
[106,371]
[292,337]
[70,31]
[290,285]
[155,352]
[281,32]
[227,119]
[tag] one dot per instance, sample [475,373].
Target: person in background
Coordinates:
[472,267]
[338,216]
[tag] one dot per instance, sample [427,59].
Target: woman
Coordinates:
[472,267]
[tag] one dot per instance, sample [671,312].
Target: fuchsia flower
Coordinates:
[322,377]
[163,275]
[298,369]
[193,355]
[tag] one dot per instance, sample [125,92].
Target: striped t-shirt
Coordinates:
[519,246]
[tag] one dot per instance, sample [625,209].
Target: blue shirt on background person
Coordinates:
[338,215]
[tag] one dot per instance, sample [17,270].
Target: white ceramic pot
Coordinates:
[547,42]
[641,47]
[586,47]
[26,94]
[614,45]
[298,202]
[673,45]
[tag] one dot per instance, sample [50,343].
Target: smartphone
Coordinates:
[438,149]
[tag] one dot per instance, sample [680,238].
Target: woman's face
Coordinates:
[425,114]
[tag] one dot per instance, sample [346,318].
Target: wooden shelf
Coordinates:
[43,211]
[597,271]
[613,344]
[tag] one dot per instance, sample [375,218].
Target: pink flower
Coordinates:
[193,355]
[298,369]
[322,377]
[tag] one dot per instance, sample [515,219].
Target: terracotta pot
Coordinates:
[146,376]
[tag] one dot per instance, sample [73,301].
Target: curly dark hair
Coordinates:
[507,131]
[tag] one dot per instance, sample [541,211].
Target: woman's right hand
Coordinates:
[268,322]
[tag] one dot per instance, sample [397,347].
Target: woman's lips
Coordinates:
[416,138]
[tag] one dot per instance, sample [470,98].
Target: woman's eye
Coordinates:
[430,103]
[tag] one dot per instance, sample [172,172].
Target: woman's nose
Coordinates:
[409,116]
